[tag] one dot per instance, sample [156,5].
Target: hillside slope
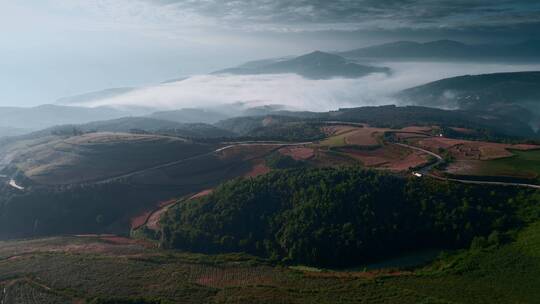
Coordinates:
[95,156]
[316,65]
[448,49]
[513,94]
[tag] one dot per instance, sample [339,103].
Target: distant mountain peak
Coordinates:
[314,65]
[445,42]
[318,57]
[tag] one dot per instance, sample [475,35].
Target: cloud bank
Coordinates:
[309,15]
[295,92]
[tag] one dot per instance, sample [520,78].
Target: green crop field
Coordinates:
[525,164]
[334,141]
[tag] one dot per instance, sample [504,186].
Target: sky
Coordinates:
[55,48]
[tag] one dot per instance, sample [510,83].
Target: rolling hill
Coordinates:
[448,49]
[391,116]
[151,125]
[315,65]
[190,115]
[97,156]
[512,94]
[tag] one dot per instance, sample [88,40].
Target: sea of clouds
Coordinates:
[296,92]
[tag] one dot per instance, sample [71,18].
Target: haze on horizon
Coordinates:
[55,48]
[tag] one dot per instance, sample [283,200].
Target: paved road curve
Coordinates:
[425,171]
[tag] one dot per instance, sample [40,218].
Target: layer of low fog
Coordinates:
[296,92]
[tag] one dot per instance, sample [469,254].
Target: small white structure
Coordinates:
[417,174]
[13,184]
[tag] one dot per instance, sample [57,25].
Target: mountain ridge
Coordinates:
[447,49]
[315,65]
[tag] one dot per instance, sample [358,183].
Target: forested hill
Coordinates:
[514,95]
[479,92]
[315,65]
[338,217]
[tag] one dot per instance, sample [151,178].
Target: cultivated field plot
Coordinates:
[470,150]
[390,157]
[80,269]
[100,155]
[480,158]
[26,291]
[208,170]
[298,153]
[61,276]
[334,130]
[347,135]
[521,164]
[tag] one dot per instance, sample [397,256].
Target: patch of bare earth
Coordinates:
[298,153]
[464,131]
[153,219]
[364,136]
[202,194]
[524,147]
[337,129]
[390,157]
[418,129]
[472,150]
[463,167]
[258,168]
[434,143]
[407,135]
[412,160]
[139,220]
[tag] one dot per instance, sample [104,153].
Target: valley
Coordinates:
[270,152]
[174,166]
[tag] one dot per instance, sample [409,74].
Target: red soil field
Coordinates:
[418,129]
[364,136]
[298,153]
[472,150]
[389,157]
[167,203]
[153,219]
[337,129]
[259,168]
[464,131]
[434,143]
[139,220]
[410,161]
[463,167]
[525,147]
[404,136]
[202,194]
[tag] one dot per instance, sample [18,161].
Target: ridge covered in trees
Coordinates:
[340,217]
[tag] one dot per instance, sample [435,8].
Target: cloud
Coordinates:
[297,92]
[310,15]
